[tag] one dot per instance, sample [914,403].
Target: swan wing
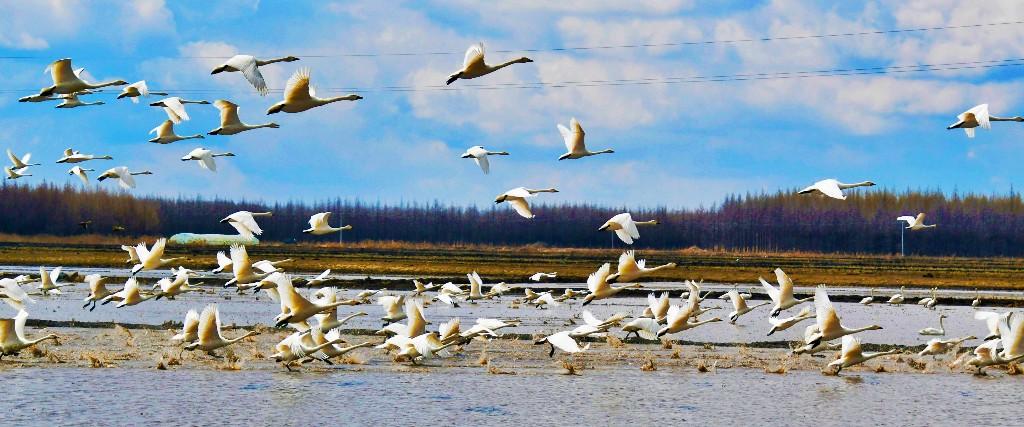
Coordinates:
[598,280]
[14,159]
[627,263]
[564,342]
[319,220]
[298,89]
[851,347]
[174,104]
[474,56]
[991,320]
[830,187]
[141,87]
[142,252]
[980,113]
[223,260]
[191,322]
[521,207]
[909,219]
[60,70]
[772,292]
[157,251]
[165,129]
[228,112]
[240,261]
[785,284]
[55,274]
[209,324]
[126,180]
[589,318]
[207,162]
[1013,338]
[825,313]
[246,64]
[483,163]
[250,222]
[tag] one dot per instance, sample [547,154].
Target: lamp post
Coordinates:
[902,229]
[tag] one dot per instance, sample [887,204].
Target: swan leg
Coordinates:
[288,367]
[211,353]
[552,352]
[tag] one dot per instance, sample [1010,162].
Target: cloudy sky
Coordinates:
[677,144]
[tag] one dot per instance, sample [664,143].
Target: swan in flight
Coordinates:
[72,156]
[936,346]
[15,173]
[245,222]
[299,346]
[536,277]
[658,306]
[740,306]
[318,225]
[296,308]
[175,108]
[12,293]
[829,327]
[624,227]
[151,259]
[205,158]
[71,101]
[48,283]
[97,290]
[988,354]
[563,341]
[12,335]
[242,271]
[21,163]
[599,286]
[479,154]
[833,188]
[516,197]
[783,295]
[209,337]
[299,96]
[230,124]
[170,288]
[190,328]
[915,223]
[978,116]
[783,324]
[630,269]
[124,178]
[392,306]
[473,65]
[319,280]
[165,134]
[133,256]
[1013,337]
[678,317]
[132,295]
[68,81]
[249,65]
[137,89]
[80,173]
[852,354]
[933,331]
[38,98]
[223,262]
[573,138]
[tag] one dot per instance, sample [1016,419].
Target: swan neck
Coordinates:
[859,184]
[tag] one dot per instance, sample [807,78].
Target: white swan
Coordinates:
[48,283]
[205,158]
[13,294]
[230,124]
[516,197]
[563,341]
[72,156]
[740,306]
[978,116]
[68,81]
[870,298]
[392,306]
[833,188]
[165,134]
[573,136]
[319,280]
[12,335]
[249,65]
[124,177]
[190,328]
[1013,336]
[333,351]
[209,335]
[898,298]
[298,346]
[678,318]
[479,154]
[536,277]
[783,324]
[132,295]
[71,101]
[97,290]
[475,287]
[245,222]
[936,346]
[175,108]
[598,285]
[15,173]
[319,226]
[933,331]
[829,327]
[223,262]
[659,306]
[992,321]
[809,332]
[915,223]
[38,98]
[783,296]
[977,299]
[152,258]
[630,269]
[988,354]
[852,354]
[299,96]
[473,64]
[137,89]
[170,288]
[21,163]
[298,308]
[624,227]
[243,271]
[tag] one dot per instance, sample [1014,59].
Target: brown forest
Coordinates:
[969,225]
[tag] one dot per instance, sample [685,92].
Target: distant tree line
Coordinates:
[969,225]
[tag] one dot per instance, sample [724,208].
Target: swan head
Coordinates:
[868,184]
[613,278]
[524,60]
[122,95]
[500,199]
[605,226]
[276,108]
[466,155]
[119,83]
[157,104]
[588,299]
[220,69]
[289,59]
[47,91]
[564,156]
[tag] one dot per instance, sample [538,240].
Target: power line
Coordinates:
[782,75]
[584,48]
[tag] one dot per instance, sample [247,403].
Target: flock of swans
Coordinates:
[411,341]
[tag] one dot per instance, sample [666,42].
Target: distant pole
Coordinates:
[902,247]
[341,233]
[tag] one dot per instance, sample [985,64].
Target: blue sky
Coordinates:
[685,144]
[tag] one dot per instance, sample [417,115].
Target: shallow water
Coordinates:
[467,396]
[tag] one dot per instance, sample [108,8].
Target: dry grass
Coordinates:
[569,368]
[615,342]
[649,365]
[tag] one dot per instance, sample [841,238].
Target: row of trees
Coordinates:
[969,225]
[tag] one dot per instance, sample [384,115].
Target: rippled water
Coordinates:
[472,397]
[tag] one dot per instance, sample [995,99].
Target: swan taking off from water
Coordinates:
[573,138]
[175,108]
[318,225]
[137,89]
[80,173]
[978,116]
[915,223]
[630,269]
[473,65]
[151,259]
[624,227]
[829,327]
[68,81]
[245,222]
[12,335]
[205,158]
[536,277]
[937,346]
[124,178]
[71,101]
[740,306]
[516,197]
[783,295]
[190,328]
[209,337]
[249,65]
[72,156]
[230,124]
[833,188]
[165,134]
[299,96]
[598,285]
[479,154]
[852,354]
